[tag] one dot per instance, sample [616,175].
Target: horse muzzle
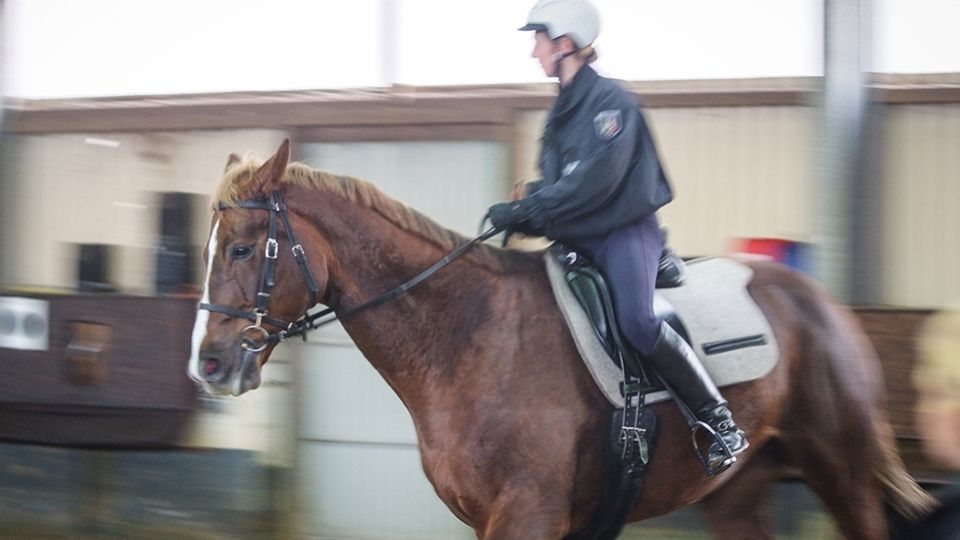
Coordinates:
[222,375]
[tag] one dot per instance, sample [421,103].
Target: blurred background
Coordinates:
[823,134]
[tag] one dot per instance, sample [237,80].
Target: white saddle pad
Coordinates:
[714,306]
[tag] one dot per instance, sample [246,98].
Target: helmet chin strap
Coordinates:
[558,58]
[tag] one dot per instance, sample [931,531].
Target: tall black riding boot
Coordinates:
[678,364]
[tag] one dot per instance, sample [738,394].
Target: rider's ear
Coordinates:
[231,161]
[269,175]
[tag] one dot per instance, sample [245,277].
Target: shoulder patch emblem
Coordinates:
[607,124]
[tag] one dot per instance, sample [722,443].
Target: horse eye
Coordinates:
[241,252]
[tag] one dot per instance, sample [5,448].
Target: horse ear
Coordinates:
[269,175]
[231,161]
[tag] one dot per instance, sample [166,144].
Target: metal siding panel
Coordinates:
[922,190]
[737,172]
[371,492]
[950,209]
[345,399]
[947,267]
[450,182]
[895,200]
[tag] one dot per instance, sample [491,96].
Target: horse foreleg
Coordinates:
[739,509]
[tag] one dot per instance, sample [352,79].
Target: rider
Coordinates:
[601,186]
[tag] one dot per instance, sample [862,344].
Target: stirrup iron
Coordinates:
[704,457]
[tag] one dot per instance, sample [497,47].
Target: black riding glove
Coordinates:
[509,215]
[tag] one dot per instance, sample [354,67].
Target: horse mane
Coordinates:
[236,186]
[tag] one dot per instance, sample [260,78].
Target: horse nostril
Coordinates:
[211,367]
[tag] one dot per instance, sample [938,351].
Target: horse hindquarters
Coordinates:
[835,443]
[835,426]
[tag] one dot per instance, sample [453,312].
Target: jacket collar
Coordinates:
[572,94]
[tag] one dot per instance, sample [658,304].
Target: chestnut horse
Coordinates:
[511,427]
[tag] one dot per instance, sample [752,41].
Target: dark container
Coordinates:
[113,374]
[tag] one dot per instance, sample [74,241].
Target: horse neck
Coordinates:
[413,340]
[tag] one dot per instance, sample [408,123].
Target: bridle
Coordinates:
[258,315]
[308,321]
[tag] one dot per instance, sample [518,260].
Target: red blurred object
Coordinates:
[773,248]
[797,255]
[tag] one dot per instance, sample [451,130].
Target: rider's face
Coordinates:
[545,50]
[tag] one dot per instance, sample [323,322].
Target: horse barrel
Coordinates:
[95,370]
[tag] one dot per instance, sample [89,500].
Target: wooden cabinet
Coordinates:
[113,373]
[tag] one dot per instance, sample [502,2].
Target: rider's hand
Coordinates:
[508,215]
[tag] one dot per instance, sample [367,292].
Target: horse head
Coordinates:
[255,285]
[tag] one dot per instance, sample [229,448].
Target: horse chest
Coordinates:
[465,467]
[453,479]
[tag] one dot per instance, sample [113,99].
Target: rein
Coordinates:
[308,321]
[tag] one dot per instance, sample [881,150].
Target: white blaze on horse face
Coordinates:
[203,316]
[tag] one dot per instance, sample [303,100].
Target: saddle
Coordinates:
[712,310]
[591,290]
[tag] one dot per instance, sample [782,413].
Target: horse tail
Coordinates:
[904,495]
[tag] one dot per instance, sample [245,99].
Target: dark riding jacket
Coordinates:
[599,165]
